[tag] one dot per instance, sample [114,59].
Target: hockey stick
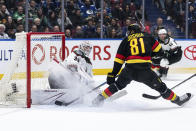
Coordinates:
[54,96]
[110,99]
[156,97]
[60,103]
[139,22]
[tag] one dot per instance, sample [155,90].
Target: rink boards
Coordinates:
[102,55]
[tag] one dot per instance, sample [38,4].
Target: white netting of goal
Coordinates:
[32,58]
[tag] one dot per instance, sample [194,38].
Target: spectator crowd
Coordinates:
[175,11]
[82,17]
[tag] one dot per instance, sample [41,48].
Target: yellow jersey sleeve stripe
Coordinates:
[104,94]
[119,61]
[174,97]
[157,48]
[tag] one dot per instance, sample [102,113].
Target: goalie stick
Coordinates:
[112,98]
[120,94]
[156,97]
[76,99]
[60,103]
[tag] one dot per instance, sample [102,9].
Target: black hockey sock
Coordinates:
[169,95]
[110,90]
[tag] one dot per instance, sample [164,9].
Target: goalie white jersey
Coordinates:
[77,68]
[77,61]
[168,44]
[71,78]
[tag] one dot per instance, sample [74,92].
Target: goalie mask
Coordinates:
[86,48]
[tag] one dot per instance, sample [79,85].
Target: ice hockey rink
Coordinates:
[131,112]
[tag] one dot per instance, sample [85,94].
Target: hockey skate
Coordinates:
[99,100]
[182,99]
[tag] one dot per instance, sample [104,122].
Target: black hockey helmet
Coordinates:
[134,28]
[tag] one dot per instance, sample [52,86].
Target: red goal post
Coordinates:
[29,66]
[29,36]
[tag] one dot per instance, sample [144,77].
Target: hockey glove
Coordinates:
[110,78]
[175,51]
[166,55]
[73,66]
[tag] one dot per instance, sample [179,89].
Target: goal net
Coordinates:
[32,57]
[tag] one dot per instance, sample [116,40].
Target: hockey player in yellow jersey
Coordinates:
[135,51]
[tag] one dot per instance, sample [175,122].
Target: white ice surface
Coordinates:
[129,113]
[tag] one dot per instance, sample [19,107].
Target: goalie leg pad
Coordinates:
[53,82]
[61,79]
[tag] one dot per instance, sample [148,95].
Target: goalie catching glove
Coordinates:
[73,66]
